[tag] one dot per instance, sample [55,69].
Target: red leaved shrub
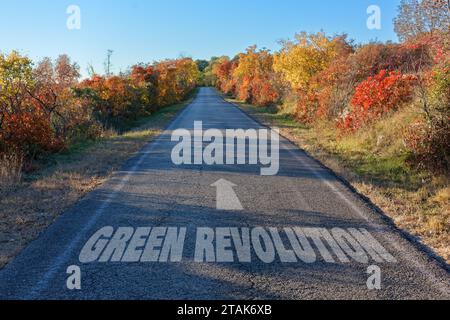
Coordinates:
[375,97]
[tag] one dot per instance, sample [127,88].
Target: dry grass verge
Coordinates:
[35,202]
[10,171]
[374,162]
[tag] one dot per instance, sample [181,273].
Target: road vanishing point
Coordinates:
[301,234]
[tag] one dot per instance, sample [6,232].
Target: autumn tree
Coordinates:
[109,97]
[53,93]
[24,126]
[307,64]
[187,75]
[167,83]
[299,60]
[422,16]
[223,70]
[145,83]
[16,79]
[429,136]
[218,72]
[255,78]
[118,100]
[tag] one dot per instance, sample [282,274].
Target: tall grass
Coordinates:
[10,171]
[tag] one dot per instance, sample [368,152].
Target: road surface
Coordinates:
[152,192]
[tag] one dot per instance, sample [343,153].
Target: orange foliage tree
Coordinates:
[223,69]
[255,78]
[117,100]
[25,127]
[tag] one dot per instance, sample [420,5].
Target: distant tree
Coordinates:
[255,77]
[209,78]
[202,65]
[222,70]
[422,16]
[145,80]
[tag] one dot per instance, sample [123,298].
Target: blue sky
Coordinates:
[148,30]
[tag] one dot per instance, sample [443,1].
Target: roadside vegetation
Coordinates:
[45,109]
[61,137]
[65,177]
[378,113]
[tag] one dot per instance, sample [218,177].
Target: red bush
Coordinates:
[375,97]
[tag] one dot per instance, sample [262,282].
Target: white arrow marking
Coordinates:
[226,197]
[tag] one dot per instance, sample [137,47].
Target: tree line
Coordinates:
[44,108]
[352,86]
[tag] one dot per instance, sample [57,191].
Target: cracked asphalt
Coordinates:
[150,191]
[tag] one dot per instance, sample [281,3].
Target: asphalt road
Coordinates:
[150,191]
